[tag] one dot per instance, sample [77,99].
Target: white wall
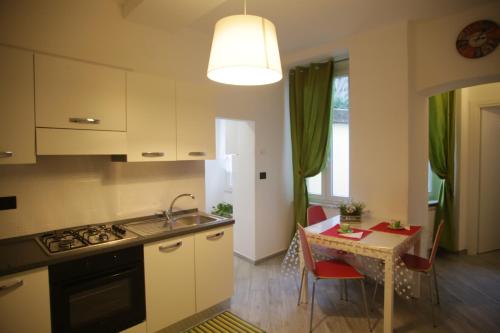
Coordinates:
[235,137]
[68,191]
[243,139]
[94,30]
[378,115]
[264,105]
[436,67]
[393,70]
[216,190]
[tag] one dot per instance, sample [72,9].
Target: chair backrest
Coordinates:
[306,249]
[315,214]
[436,242]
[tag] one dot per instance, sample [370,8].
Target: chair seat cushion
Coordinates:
[336,269]
[416,263]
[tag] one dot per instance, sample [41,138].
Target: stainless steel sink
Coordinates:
[193,219]
[161,225]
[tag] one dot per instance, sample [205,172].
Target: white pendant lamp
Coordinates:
[244,51]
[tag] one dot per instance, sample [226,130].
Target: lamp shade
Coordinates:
[244,51]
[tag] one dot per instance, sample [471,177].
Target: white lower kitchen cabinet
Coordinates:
[139,328]
[25,302]
[214,267]
[170,281]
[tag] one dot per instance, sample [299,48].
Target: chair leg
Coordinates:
[346,291]
[301,283]
[429,277]
[435,284]
[312,306]
[372,307]
[366,305]
[341,290]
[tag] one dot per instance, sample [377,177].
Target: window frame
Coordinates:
[341,68]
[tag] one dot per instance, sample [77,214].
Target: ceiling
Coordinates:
[300,24]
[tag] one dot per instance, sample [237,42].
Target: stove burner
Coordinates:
[70,239]
[66,243]
[103,237]
[92,231]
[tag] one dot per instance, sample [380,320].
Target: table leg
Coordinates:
[416,276]
[388,295]
[305,280]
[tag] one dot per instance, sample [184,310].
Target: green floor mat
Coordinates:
[226,322]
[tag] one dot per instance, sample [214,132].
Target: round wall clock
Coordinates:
[478,39]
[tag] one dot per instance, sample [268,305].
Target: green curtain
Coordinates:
[310,114]
[441,157]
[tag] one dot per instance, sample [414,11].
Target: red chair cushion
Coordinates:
[416,263]
[336,269]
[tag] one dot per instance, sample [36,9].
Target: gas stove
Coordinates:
[61,241]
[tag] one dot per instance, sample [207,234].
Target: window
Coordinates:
[433,185]
[332,184]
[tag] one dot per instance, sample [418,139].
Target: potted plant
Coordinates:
[223,209]
[351,211]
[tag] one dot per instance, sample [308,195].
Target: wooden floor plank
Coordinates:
[469,290]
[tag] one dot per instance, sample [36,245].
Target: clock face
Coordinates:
[478,39]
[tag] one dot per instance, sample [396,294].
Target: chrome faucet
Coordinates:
[169,212]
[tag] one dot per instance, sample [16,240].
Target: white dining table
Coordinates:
[380,245]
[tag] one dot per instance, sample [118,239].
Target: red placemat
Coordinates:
[384,227]
[334,232]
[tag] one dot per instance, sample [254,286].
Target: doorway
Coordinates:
[489,180]
[230,179]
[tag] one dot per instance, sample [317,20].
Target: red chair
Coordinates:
[327,269]
[426,267]
[315,214]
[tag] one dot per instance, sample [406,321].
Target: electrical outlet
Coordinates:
[8,203]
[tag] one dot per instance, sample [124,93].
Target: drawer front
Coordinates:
[25,302]
[52,141]
[74,94]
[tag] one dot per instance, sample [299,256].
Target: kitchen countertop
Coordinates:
[23,253]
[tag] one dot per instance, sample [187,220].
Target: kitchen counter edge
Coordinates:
[23,253]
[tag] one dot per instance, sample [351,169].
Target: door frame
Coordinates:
[472,196]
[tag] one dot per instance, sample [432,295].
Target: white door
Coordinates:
[489,182]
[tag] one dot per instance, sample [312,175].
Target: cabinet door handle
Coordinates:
[91,121]
[215,236]
[5,154]
[11,285]
[153,154]
[197,153]
[172,247]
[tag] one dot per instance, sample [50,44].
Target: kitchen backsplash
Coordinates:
[65,191]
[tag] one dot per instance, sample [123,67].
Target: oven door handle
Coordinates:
[166,248]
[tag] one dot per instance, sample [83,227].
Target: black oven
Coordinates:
[100,293]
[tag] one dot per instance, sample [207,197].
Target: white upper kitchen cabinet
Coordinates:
[79,95]
[151,130]
[195,109]
[214,267]
[17,114]
[169,275]
[25,302]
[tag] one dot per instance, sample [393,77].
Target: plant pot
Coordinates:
[350,218]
